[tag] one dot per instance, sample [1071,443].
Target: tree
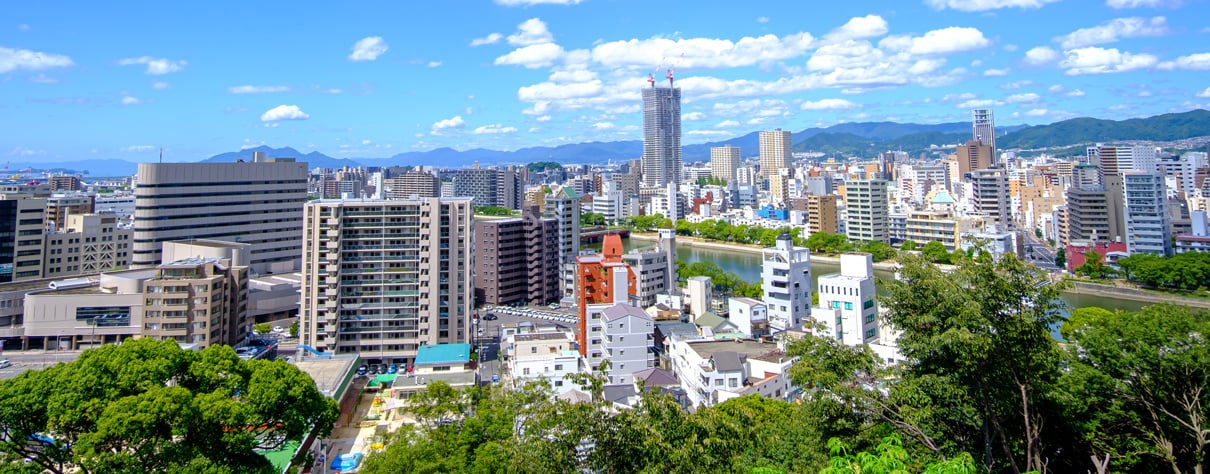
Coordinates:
[879,250]
[1152,368]
[262,328]
[148,405]
[936,252]
[908,246]
[591,219]
[493,211]
[1061,258]
[1094,266]
[294,328]
[889,457]
[981,357]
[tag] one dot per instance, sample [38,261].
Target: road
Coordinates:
[1043,255]
[24,360]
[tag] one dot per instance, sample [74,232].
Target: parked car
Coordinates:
[392,369]
[554,306]
[362,370]
[490,317]
[4,364]
[495,378]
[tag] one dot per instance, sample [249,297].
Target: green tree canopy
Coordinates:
[149,406]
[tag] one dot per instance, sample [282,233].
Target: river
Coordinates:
[747,265]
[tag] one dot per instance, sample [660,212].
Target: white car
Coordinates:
[278,329]
[4,364]
[554,306]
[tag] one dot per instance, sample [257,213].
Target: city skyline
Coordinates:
[106,83]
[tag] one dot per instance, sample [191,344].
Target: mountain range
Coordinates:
[862,139]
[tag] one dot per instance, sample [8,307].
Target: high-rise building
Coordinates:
[650,268]
[601,279]
[199,300]
[867,210]
[786,281]
[775,151]
[779,188]
[724,160]
[516,260]
[258,203]
[983,127]
[490,187]
[1118,159]
[383,278]
[59,206]
[1096,214]
[1148,227]
[420,184]
[821,214]
[66,183]
[564,206]
[990,196]
[661,135]
[848,309]
[22,225]
[973,156]
[87,244]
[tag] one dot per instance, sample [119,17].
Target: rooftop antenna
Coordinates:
[161,154]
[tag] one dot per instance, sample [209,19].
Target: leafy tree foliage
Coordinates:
[149,406]
[908,245]
[936,252]
[493,211]
[590,219]
[1187,271]
[711,181]
[1094,266]
[879,250]
[725,282]
[824,242]
[889,457]
[538,166]
[1061,258]
[649,223]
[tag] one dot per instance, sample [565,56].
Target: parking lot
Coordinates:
[489,332]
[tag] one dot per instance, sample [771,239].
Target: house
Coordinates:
[711,372]
[712,325]
[548,356]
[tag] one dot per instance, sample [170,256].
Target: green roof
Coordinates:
[443,354]
[709,320]
[280,458]
[381,379]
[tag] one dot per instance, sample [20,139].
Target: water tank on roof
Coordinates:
[70,283]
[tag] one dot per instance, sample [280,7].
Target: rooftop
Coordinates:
[621,310]
[746,347]
[443,354]
[191,262]
[541,336]
[329,373]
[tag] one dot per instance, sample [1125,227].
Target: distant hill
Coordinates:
[314,159]
[1166,127]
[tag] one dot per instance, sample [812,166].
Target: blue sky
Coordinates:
[82,80]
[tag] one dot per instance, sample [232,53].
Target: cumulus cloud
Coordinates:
[978,103]
[954,39]
[526,3]
[1026,97]
[368,49]
[130,100]
[492,38]
[828,104]
[494,128]
[692,116]
[868,26]
[726,124]
[159,85]
[995,72]
[284,112]
[531,31]
[1120,4]
[602,126]
[434,64]
[533,56]
[1205,93]
[1037,112]
[14,59]
[1074,93]
[138,148]
[701,53]
[155,66]
[1195,62]
[1041,55]
[257,89]
[448,124]
[1095,60]
[1114,30]
[984,5]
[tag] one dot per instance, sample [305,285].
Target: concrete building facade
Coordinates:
[786,281]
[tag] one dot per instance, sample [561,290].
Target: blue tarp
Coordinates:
[346,462]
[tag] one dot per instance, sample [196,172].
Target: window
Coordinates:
[718,382]
[835,305]
[732,382]
[533,350]
[558,366]
[869,333]
[848,305]
[867,304]
[525,371]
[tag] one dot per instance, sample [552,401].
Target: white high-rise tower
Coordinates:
[661,134]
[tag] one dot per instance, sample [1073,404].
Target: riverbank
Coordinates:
[1100,290]
[747,248]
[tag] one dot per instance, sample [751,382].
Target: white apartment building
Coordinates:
[848,310]
[549,356]
[258,203]
[623,334]
[724,160]
[650,269]
[382,278]
[868,213]
[786,277]
[712,372]
[751,316]
[1148,226]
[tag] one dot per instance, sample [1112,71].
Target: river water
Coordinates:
[747,265]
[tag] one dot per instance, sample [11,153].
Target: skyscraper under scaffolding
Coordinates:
[661,134]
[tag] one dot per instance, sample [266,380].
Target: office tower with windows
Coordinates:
[724,160]
[867,211]
[1148,226]
[983,127]
[775,152]
[661,135]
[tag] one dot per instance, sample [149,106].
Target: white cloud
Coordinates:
[701,53]
[155,66]
[139,148]
[828,104]
[14,59]
[23,27]
[1094,60]
[257,89]
[130,100]
[1196,62]
[1026,97]
[1075,93]
[23,151]
[494,128]
[709,133]
[1113,30]
[533,56]
[726,124]
[868,26]
[693,116]
[284,112]
[954,97]
[531,31]
[763,19]
[492,38]
[159,85]
[978,103]
[526,3]
[1037,112]
[954,39]
[434,64]
[1056,88]
[43,79]
[1018,84]
[543,118]
[1041,55]
[602,126]
[1120,4]
[984,5]
[995,72]
[1204,94]
[447,124]
[368,49]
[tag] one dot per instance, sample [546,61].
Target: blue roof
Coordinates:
[943,198]
[443,354]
